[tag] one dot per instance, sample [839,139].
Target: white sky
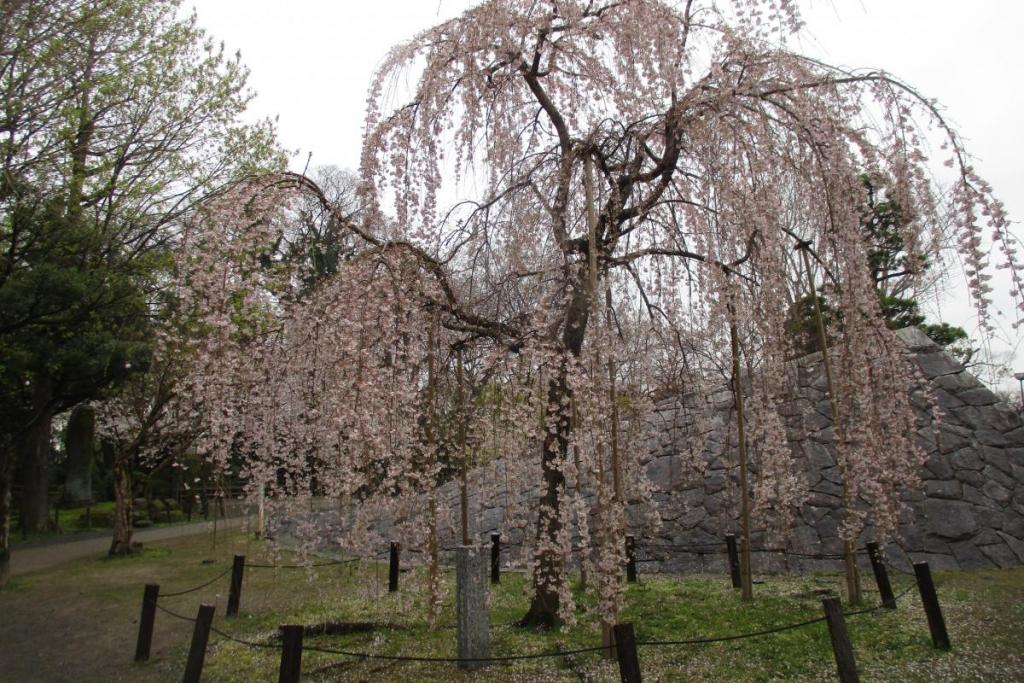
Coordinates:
[312,61]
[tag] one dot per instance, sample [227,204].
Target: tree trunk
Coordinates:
[121,544]
[78,444]
[35,473]
[6,475]
[548,571]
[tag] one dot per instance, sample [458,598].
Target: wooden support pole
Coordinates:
[631,559]
[930,599]
[291,654]
[841,647]
[393,567]
[881,576]
[145,640]
[495,558]
[235,591]
[625,650]
[734,560]
[197,650]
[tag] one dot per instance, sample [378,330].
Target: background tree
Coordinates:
[117,116]
[901,278]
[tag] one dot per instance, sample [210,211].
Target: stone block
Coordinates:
[980,396]
[1000,554]
[939,467]
[948,400]
[916,340]
[937,363]
[991,437]
[943,488]
[969,556]
[1015,544]
[996,493]
[950,519]
[994,474]
[967,459]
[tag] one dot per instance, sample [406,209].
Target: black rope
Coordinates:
[174,614]
[451,660]
[193,590]
[303,566]
[739,636]
[249,643]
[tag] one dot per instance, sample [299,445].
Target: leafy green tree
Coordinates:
[117,117]
[895,272]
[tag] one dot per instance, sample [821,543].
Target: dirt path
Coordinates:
[31,559]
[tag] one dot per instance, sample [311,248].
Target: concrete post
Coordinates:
[471,605]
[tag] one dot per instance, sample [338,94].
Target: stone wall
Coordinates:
[969,513]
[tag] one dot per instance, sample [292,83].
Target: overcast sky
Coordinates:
[312,61]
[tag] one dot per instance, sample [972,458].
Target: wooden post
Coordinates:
[734,560]
[88,517]
[235,592]
[495,558]
[849,552]
[291,654]
[841,647]
[625,650]
[881,576]
[393,567]
[746,577]
[149,598]
[631,559]
[930,599]
[197,650]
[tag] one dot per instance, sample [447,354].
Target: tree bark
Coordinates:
[78,444]
[121,544]
[548,571]
[35,475]
[6,475]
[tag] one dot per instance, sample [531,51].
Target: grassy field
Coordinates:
[79,622]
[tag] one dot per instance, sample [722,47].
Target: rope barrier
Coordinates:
[193,590]
[302,566]
[739,636]
[248,643]
[174,614]
[450,660]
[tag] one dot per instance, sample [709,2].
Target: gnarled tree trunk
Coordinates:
[547,573]
[121,544]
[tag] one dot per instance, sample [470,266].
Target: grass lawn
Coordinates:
[79,622]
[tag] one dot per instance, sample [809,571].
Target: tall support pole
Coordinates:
[608,535]
[746,580]
[849,546]
[464,468]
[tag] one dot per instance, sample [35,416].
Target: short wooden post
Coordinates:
[235,591]
[393,567]
[625,650]
[88,517]
[149,598]
[841,647]
[197,650]
[881,576]
[734,560]
[495,558]
[291,654]
[630,559]
[930,599]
